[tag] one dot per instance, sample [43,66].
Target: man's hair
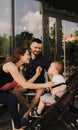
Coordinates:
[36,40]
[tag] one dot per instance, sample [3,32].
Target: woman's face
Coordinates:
[26,57]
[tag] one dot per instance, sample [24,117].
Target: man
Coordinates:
[37,59]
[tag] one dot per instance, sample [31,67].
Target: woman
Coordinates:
[9,72]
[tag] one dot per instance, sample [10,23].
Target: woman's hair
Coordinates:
[58,66]
[16,54]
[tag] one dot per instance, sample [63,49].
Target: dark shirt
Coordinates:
[30,69]
[4,77]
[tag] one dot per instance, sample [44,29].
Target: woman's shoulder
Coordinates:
[8,65]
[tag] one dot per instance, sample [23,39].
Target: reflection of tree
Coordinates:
[72,53]
[52,42]
[4,45]
[24,38]
[71,48]
[76,36]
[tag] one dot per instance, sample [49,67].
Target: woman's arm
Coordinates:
[21,70]
[37,74]
[13,70]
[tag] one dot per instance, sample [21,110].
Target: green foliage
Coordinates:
[72,53]
[52,32]
[52,42]
[76,35]
[24,38]
[4,45]
[71,48]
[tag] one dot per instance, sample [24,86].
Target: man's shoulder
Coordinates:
[41,56]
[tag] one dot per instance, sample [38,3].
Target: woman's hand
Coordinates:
[49,84]
[38,70]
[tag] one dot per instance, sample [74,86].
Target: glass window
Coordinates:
[28,21]
[52,22]
[5,28]
[70,46]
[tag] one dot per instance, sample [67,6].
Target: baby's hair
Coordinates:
[58,66]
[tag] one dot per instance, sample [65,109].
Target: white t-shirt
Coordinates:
[58,79]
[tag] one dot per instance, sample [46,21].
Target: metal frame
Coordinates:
[48,11]
[13,25]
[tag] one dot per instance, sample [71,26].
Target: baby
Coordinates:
[55,75]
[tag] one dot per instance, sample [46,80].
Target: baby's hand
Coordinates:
[38,70]
[53,92]
[50,89]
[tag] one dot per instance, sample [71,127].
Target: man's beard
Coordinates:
[35,54]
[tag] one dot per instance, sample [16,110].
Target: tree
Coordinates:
[4,45]
[52,42]
[76,35]
[24,38]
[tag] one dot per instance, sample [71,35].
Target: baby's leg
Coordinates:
[41,106]
[34,101]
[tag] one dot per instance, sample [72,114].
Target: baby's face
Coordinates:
[51,69]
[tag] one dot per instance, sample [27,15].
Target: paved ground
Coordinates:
[5,120]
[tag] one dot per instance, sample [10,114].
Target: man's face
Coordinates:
[36,48]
